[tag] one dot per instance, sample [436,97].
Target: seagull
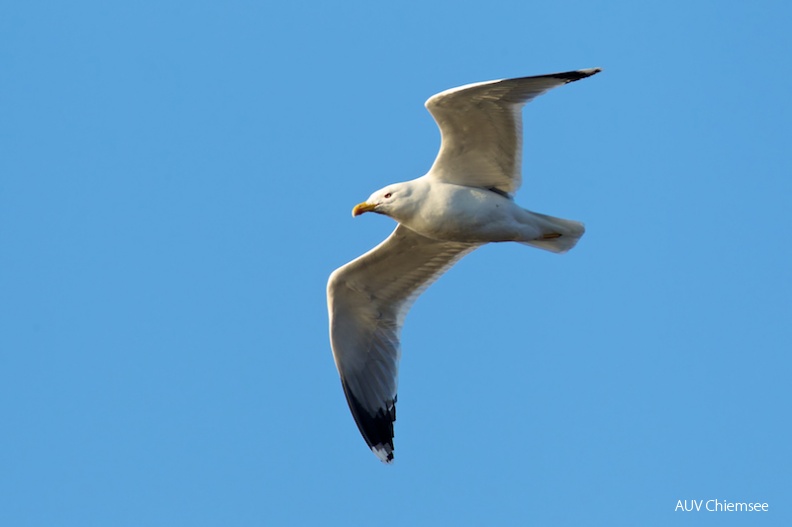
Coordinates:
[463,202]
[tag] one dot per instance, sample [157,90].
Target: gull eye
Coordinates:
[388,195]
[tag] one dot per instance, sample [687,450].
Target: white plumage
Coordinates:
[463,202]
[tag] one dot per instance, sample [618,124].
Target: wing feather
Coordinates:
[368,299]
[481,129]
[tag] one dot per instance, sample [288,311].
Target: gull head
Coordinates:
[390,201]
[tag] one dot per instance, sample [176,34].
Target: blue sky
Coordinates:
[176,180]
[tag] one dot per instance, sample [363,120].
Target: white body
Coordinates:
[450,212]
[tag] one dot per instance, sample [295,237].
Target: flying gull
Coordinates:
[463,202]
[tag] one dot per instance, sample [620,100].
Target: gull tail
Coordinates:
[559,235]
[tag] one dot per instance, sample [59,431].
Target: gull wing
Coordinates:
[481,129]
[367,300]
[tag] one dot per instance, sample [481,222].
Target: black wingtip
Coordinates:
[572,76]
[377,429]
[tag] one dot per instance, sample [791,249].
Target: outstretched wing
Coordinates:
[481,129]
[367,300]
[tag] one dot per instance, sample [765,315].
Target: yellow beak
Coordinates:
[360,208]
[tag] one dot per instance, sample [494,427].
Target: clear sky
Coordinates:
[176,181]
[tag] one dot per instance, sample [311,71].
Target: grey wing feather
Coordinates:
[481,129]
[368,299]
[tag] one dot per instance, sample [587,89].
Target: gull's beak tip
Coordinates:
[360,208]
